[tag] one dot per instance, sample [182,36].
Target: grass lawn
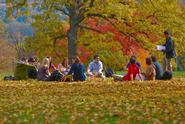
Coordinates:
[93,102]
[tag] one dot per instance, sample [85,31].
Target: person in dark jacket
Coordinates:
[169,52]
[77,70]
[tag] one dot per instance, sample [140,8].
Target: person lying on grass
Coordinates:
[133,71]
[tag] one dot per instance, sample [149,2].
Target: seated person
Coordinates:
[139,64]
[77,70]
[150,72]
[43,71]
[64,68]
[133,71]
[158,68]
[95,68]
[32,70]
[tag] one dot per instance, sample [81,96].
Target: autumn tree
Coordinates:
[7,51]
[76,12]
[143,22]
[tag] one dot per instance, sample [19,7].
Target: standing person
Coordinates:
[77,70]
[150,72]
[169,52]
[158,68]
[95,68]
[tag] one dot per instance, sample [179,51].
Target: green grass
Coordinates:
[3,74]
[179,74]
[92,102]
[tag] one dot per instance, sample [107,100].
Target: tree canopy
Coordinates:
[135,24]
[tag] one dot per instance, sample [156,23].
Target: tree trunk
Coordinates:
[72,36]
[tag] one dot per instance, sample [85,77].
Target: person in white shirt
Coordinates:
[95,68]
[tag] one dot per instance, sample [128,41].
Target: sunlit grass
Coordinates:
[98,101]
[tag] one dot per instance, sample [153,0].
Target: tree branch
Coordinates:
[90,28]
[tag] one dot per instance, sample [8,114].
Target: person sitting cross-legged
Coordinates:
[77,70]
[133,71]
[150,72]
[95,68]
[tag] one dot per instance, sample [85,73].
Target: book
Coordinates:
[160,47]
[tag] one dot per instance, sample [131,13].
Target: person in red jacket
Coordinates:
[133,71]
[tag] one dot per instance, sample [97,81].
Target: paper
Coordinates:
[160,47]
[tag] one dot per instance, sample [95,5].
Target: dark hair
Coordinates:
[167,32]
[154,59]
[31,60]
[23,59]
[36,58]
[133,56]
[132,60]
[148,61]
[77,59]
[96,56]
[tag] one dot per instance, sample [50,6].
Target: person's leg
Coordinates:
[100,75]
[169,64]
[117,77]
[164,64]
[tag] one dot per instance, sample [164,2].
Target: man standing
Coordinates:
[169,52]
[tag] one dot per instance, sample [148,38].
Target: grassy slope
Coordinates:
[93,102]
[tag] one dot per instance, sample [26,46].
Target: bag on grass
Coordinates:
[167,75]
[109,72]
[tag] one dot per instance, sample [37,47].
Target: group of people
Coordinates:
[47,71]
[153,71]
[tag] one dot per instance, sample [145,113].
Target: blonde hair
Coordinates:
[45,63]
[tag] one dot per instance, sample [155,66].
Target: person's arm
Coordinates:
[131,77]
[127,65]
[71,70]
[140,76]
[100,67]
[89,67]
[47,70]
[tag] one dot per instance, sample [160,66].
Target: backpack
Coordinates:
[167,75]
[109,72]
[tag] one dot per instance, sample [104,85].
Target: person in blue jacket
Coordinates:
[77,70]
